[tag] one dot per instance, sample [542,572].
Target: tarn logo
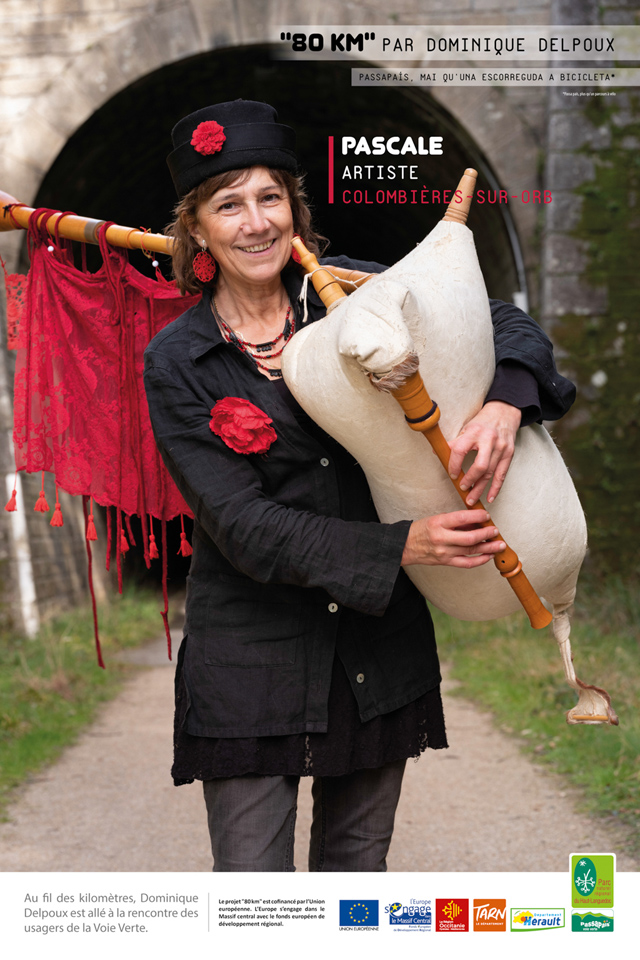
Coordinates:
[490,915]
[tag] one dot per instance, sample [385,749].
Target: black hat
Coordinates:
[229,136]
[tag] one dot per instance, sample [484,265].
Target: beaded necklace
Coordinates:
[245,346]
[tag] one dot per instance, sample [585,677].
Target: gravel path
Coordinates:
[109,805]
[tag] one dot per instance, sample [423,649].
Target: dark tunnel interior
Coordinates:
[114,166]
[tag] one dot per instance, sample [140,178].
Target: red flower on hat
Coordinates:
[208,137]
[242,426]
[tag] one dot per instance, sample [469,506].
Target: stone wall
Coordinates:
[591,294]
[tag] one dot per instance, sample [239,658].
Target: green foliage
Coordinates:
[601,439]
[51,685]
[517,673]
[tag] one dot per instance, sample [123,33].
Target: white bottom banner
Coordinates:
[128,915]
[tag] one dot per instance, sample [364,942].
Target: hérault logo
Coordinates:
[527,919]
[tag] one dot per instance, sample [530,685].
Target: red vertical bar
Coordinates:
[330,169]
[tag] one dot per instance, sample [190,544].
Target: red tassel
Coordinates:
[185,547]
[41,503]
[124,544]
[153,546]
[11,506]
[56,519]
[91,527]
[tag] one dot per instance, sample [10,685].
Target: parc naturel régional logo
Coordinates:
[536,918]
[592,879]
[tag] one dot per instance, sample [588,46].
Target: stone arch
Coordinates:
[124,57]
[128,133]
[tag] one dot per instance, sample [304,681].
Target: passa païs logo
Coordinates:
[416,914]
[359,914]
[452,916]
[528,919]
[596,922]
[592,879]
[490,915]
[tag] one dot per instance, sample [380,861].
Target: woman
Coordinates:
[307,649]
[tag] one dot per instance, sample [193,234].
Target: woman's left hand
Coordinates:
[492,432]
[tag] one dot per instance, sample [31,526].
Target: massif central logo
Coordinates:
[490,915]
[452,916]
[536,918]
[359,913]
[417,913]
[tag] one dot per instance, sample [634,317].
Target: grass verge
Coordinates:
[517,673]
[51,685]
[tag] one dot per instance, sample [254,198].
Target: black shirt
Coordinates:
[285,571]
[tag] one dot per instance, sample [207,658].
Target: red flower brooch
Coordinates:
[208,137]
[243,427]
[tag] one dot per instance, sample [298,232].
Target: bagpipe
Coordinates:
[357,374]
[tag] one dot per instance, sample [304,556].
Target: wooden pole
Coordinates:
[14,215]
[83,229]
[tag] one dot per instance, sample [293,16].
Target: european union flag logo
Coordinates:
[358,913]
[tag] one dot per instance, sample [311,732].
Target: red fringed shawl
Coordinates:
[80,409]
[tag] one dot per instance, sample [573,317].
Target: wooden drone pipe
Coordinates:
[458,209]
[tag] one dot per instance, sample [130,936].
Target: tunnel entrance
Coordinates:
[114,168]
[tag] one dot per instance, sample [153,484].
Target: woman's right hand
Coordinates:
[446,539]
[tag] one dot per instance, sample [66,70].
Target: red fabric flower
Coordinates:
[208,137]
[243,427]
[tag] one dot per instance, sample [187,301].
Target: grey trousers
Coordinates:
[252,821]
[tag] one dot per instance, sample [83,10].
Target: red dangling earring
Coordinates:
[204,266]
[294,253]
